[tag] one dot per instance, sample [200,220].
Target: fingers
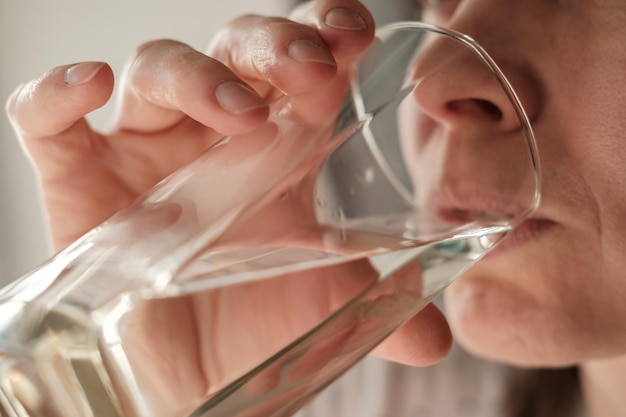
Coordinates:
[167,81]
[422,341]
[47,113]
[346,26]
[278,52]
[306,58]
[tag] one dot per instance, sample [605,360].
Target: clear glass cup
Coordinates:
[251,279]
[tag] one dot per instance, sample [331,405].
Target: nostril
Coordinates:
[489,108]
[476,107]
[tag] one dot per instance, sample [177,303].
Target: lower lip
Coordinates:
[526,231]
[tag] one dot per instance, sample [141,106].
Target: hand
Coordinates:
[176,102]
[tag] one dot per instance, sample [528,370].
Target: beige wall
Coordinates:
[38,35]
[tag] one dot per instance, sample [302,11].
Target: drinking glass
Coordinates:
[249,280]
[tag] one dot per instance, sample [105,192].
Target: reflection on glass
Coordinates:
[248,281]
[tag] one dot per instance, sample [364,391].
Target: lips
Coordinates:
[526,231]
[454,207]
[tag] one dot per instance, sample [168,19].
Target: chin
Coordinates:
[531,303]
[499,322]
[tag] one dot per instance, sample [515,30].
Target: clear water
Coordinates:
[140,321]
[200,348]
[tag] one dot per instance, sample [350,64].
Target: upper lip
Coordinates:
[459,207]
[525,231]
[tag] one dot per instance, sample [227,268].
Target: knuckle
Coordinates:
[222,41]
[243,21]
[11,103]
[13,108]
[156,46]
[280,28]
[152,53]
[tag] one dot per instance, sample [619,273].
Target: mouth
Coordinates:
[453,207]
[526,231]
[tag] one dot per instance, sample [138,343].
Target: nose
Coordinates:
[457,89]
[464,135]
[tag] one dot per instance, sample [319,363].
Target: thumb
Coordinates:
[422,341]
[48,115]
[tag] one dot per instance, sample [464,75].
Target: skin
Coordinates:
[552,296]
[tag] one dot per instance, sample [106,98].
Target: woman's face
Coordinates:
[554,295]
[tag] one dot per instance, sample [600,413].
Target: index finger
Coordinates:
[167,81]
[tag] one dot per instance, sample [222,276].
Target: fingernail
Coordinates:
[346,19]
[82,73]
[304,50]
[237,98]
